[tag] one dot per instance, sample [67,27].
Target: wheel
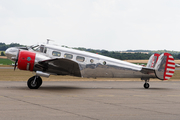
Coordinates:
[34,82]
[146,85]
[40,81]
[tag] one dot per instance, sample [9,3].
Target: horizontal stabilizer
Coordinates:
[147,70]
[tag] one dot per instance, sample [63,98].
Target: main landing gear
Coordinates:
[34,82]
[146,84]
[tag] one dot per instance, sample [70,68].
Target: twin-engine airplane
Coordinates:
[46,60]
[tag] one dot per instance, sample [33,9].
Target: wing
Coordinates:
[60,66]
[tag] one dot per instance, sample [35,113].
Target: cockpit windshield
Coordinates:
[35,47]
[38,48]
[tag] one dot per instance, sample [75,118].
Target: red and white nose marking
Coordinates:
[170,66]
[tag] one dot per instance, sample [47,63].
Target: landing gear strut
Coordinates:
[34,82]
[146,84]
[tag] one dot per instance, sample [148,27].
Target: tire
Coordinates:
[40,81]
[37,84]
[146,85]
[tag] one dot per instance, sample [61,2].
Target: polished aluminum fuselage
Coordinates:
[102,66]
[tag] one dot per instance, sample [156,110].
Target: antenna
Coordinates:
[49,40]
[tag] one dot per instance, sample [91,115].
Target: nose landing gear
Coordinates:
[34,82]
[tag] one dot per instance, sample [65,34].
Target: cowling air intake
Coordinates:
[165,66]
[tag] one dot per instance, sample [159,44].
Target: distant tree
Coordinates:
[178,56]
[2,43]
[3,46]
[137,55]
[2,54]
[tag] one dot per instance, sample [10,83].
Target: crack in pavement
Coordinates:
[113,104]
[50,108]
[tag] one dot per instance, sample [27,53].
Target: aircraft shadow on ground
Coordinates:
[75,88]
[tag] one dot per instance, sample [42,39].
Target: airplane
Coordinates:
[46,59]
[177,65]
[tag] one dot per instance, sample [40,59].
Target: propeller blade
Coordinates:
[15,65]
[16,60]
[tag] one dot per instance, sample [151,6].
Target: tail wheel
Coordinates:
[146,85]
[34,82]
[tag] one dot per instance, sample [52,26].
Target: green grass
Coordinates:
[5,61]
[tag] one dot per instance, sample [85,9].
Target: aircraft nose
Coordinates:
[7,51]
[11,52]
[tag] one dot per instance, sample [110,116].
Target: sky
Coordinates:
[113,25]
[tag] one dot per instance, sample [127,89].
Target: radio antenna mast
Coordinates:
[48,41]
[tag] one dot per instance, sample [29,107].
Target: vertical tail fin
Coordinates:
[153,60]
[165,66]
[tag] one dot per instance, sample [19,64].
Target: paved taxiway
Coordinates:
[90,100]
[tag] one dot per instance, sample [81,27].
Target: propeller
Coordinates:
[15,65]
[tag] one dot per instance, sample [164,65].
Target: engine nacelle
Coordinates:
[26,60]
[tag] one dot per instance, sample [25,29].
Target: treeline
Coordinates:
[126,56]
[122,55]
[3,46]
[132,55]
[154,51]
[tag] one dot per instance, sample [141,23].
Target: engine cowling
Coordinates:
[26,60]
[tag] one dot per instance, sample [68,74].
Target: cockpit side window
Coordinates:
[45,49]
[42,48]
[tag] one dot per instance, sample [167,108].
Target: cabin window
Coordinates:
[80,59]
[92,61]
[68,56]
[104,63]
[55,53]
